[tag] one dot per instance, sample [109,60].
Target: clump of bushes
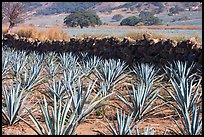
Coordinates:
[82,19]
[51,34]
[145,18]
[28,31]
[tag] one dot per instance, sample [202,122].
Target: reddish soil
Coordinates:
[95,124]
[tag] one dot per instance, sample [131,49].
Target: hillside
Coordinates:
[48,8]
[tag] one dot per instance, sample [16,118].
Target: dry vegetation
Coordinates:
[4,28]
[56,33]
[30,31]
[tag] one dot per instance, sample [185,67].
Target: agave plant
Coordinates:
[190,126]
[179,70]
[82,101]
[72,75]
[18,62]
[146,72]
[110,73]
[185,93]
[51,67]
[57,117]
[5,65]
[57,89]
[31,78]
[90,64]
[140,99]
[35,58]
[68,61]
[125,124]
[13,104]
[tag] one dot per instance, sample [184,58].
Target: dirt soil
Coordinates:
[96,124]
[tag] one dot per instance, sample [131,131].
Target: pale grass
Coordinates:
[26,31]
[177,37]
[57,34]
[30,31]
[4,28]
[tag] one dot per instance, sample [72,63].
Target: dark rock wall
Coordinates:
[147,50]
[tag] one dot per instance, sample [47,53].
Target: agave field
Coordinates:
[55,93]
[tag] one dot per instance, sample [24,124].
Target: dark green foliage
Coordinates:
[151,20]
[82,19]
[117,17]
[146,18]
[130,21]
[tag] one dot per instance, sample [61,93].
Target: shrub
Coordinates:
[82,18]
[130,21]
[148,18]
[27,31]
[56,34]
[145,18]
[30,31]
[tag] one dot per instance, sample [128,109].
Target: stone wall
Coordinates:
[156,51]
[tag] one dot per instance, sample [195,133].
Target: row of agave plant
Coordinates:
[69,99]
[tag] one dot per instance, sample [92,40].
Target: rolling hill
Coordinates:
[48,8]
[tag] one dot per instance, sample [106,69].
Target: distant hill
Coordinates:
[49,8]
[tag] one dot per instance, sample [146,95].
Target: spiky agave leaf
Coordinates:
[185,93]
[146,72]
[190,125]
[147,131]
[125,124]
[55,119]
[68,61]
[5,65]
[18,62]
[52,69]
[140,99]
[179,70]
[110,73]
[31,78]
[89,64]
[14,103]
[81,99]
[57,88]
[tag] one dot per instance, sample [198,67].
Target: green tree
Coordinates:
[145,19]
[151,20]
[130,21]
[82,19]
